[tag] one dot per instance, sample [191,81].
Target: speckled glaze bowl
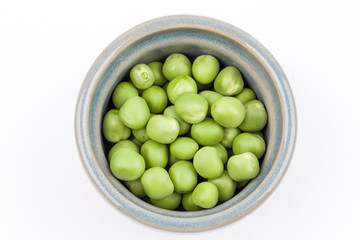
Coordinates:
[192,36]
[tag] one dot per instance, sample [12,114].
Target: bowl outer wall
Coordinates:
[191,35]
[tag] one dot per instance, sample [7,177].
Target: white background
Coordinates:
[47,47]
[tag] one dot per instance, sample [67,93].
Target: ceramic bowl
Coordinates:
[192,36]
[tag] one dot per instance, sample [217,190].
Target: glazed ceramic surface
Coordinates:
[192,36]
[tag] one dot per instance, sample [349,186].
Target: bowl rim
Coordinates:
[148,216]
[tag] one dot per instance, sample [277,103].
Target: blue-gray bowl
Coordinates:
[192,36]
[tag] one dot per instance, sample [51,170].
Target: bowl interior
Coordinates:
[154,41]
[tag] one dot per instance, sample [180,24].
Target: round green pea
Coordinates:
[207,163]
[210,97]
[205,195]
[229,135]
[123,144]
[162,129]
[136,188]
[140,135]
[248,142]
[172,160]
[135,113]
[142,76]
[170,202]
[175,65]
[113,128]
[184,126]
[157,183]
[165,86]
[180,85]
[223,154]
[155,98]
[205,68]
[229,112]
[135,141]
[246,95]
[127,165]
[255,116]
[188,203]
[242,183]
[225,185]
[191,107]
[184,148]
[207,132]
[243,166]
[229,81]
[156,68]
[122,92]
[155,154]
[183,176]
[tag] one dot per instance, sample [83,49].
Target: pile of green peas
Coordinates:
[185,135]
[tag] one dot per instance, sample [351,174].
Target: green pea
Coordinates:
[242,183]
[157,183]
[175,65]
[122,92]
[184,126]
[135,141]
[225,185]
[248,142]
[255,116]
[155,98]
[229,112]
[136,188]
[223,154]
[207,132]
[246,95]
[163,129]
[229,136]
[165,86]
[183,176]
[135,113]
[172,160]
[229,81]
[207,163]
[259,133]
[140,135]
[210,97]
[243,166]
[127,164]
[113,128]
[205,195]
[180,85]
[142,76]
[170,202]
[123,144]
[188,203]
[205,68]
[155,154]
[184,148]
[156,68]
[191,107]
